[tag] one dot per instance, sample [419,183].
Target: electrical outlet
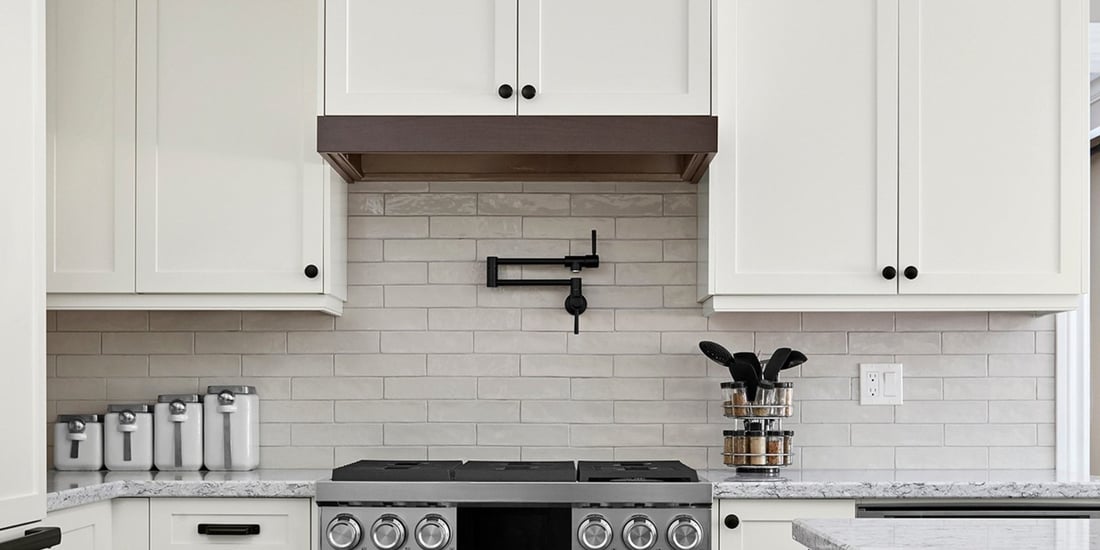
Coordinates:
[880,384]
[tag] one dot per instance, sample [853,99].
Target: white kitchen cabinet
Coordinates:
[130,523]
[867,137]
[614,57]
[87,527]
[279,524]
[754,524]
[441,57]
[90,145]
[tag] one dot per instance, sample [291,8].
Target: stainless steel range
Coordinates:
[450,505]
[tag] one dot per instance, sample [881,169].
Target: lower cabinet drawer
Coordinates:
[227,523]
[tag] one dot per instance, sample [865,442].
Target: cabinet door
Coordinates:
[419,57]
[803,193]
[615,57]
[90,145]
[282,524]
[230,187]
[767,524]
[85,527]
[993,127]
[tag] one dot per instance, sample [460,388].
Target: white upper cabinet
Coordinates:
[90,145]
[614,57]
[503,57]
[993,133]
[230,193]
[419,57]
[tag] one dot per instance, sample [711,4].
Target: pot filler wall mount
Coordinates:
[575,303]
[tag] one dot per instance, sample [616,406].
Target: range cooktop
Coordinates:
[668,471]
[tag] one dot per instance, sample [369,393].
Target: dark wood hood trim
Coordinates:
[518,148]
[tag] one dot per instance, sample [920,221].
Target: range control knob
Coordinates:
[685,534]
[640,533]
[344,532]
[433,533]
[388,533]
[594,533]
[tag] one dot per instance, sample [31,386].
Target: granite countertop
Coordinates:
[948,534]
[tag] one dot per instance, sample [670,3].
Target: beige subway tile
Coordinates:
[431,387]
[364,296]
[989,342]
[141,343]
[680,251]
[567,228]
[476,187]
[108,366]
[991,435]
[1044,342]
[473,410]
[452,452]
[764,322]
[894,435]
[559,320]
[332,342]
[615,435]
[519,342]
[687,343]
[366,204]
[51,321]
[923,412]
[51,366]
[1022,458]
[393,227]
[515,297]
[473,365]
[278,411]
[1021,365]
[568,187]
[431,295]
[1045,388]
[574,366]
[434,204]
[660,320]
[664,366]
[457,273]
[527,204]
[941,458]
[241,342]
[810,343]
[274,435]
[945,366]
[364,250]
[286,365]
[597,343]
[917,343]
[1047,435]
[179,321]
[990,389]
[388,273]
[570,412]
[429,434]
[389,187]
[388,410]
[381,365]
[102,321]
[473,319]
[828,389]
[821,435]
[296,458]
[941,321]
[848,458]
[847,412]
[522,434]
[867,322]
[194,365]
[681,205]
[1020,412]
[77,389]
[343,387]
[656,228]
[623,297]
[527,248]
[667,412]
[476,227]
[429,250]
[523,388]
[694,389]
[72,343]
[692,457]
[915,389]
[383,319]
[267,388]
[1003,320]
[427,342]
[699,435]
[618,204]
[681,296]
[606,389]
[619,251]
[286,320]
[825,366]
[567,453]
[336,435]
[147,389]
[665,273]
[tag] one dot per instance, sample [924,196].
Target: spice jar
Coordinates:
[727,448]
[765,401]
[788,435]
[775,447]
[740,448]
[757,447]
[784,397]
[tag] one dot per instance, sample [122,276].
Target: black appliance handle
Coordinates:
[228,529]
[35,539]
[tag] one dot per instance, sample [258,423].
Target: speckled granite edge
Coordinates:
[810,538]
[904,489]
[69,498]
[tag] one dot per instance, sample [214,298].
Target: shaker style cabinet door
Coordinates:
[86,527]
[90,145]
[420,57]
[614,57]
[803,195]
[230,189]
[753,524]
[993,126]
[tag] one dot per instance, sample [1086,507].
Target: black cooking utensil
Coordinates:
[751,359]
[716,352]
[776,362]
[740,371]
[796,358]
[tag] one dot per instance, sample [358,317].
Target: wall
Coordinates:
[428,363]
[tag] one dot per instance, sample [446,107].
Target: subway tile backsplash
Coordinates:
[428,363]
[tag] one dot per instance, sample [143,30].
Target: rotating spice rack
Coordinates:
[759,446]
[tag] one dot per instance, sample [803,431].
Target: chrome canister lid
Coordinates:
[134,408]
[186,398]
[86,418]
[238,390]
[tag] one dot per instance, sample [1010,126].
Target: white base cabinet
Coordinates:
[280,524]
[759,524]
[85,527]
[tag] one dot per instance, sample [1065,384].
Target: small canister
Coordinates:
[78,443]
[784,397]
[128,438]
[232,428]
[178,432]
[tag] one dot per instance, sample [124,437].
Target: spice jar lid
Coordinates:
[732,385]
[774,433]
[784,384]
[754,433]
[788,433]
[733,433]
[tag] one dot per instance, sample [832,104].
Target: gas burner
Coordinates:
[662,471]
[516,471]
[389,470]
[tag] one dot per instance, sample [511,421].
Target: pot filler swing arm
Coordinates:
[575,303]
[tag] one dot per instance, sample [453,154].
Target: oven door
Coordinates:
[515,527]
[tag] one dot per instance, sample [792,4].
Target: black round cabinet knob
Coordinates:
[911,273]
[505,91]
[889,272]
[528,92]
[731,521]
[312,271]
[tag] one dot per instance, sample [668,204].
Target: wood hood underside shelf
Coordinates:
[518,148]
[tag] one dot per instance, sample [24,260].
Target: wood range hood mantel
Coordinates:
[518,148]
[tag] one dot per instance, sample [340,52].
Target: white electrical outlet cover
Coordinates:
[880,384]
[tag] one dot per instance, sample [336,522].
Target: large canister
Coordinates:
[178,434]
[128,438]
[78,443]
[232,431]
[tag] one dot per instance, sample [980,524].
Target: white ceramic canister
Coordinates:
[128,438]
[232,431]
[78,443]
[178,433]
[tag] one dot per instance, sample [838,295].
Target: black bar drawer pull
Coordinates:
[35,539]
[228,529]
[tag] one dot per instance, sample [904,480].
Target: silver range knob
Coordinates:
[594,533]
[685,534]
[433,533]
[639,533]
[344,532]
[388,533]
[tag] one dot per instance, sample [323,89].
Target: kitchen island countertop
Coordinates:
[948,534]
